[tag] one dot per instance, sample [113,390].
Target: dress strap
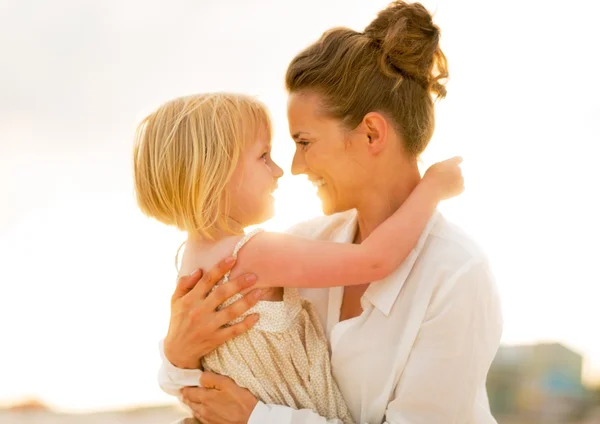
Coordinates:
[241,244]
[245,240]
[177,261]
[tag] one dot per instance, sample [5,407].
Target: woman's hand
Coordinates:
[196,327]
[219,400]
[445,178]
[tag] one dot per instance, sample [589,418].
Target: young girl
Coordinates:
[203,164]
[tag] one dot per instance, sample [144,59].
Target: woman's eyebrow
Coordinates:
[298,134]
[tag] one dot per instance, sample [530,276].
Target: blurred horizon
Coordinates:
[86,278]
[33,404]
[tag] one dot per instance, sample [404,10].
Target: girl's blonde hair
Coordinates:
[185,154]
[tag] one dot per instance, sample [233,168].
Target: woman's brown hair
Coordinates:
[395,67]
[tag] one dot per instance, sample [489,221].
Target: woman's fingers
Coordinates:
[185,283]
[210,380]
[194,394]
[237,308]
[225,291]
[196,398]
[198,410]
[228,333]
[212,277]
[195,327]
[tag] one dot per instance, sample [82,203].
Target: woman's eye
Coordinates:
[303,143]
[264,155]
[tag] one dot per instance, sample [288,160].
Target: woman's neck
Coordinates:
[383,198]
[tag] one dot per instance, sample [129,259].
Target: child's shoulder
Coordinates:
[207,256]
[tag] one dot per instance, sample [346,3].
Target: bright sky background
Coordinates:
[85,279]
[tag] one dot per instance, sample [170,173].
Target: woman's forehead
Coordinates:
[307,102]
[305,114]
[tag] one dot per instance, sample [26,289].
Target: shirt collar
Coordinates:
[382,294]
[347,229]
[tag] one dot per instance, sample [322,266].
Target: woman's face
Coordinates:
[332,157]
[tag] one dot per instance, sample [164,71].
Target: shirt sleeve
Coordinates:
[278,414]
[172,379]
[445,375]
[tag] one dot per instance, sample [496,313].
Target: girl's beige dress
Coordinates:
[284,358]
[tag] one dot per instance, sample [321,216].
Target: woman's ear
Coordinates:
[375,128]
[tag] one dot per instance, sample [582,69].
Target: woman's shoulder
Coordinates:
[458,260]
[450,243]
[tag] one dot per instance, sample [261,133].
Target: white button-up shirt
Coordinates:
[420,351]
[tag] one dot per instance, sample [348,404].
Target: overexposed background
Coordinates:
[85,279]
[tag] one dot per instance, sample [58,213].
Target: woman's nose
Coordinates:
[298,163]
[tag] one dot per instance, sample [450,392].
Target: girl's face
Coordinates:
[253,182]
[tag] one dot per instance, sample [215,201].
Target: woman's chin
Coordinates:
[328,207]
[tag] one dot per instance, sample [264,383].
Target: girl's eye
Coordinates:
[264,156]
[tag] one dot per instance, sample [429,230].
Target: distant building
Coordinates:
[541,382]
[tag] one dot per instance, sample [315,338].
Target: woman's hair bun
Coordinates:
[409,44]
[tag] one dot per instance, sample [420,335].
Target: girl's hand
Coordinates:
[445,178]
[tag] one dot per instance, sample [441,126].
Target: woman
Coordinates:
[416,346]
